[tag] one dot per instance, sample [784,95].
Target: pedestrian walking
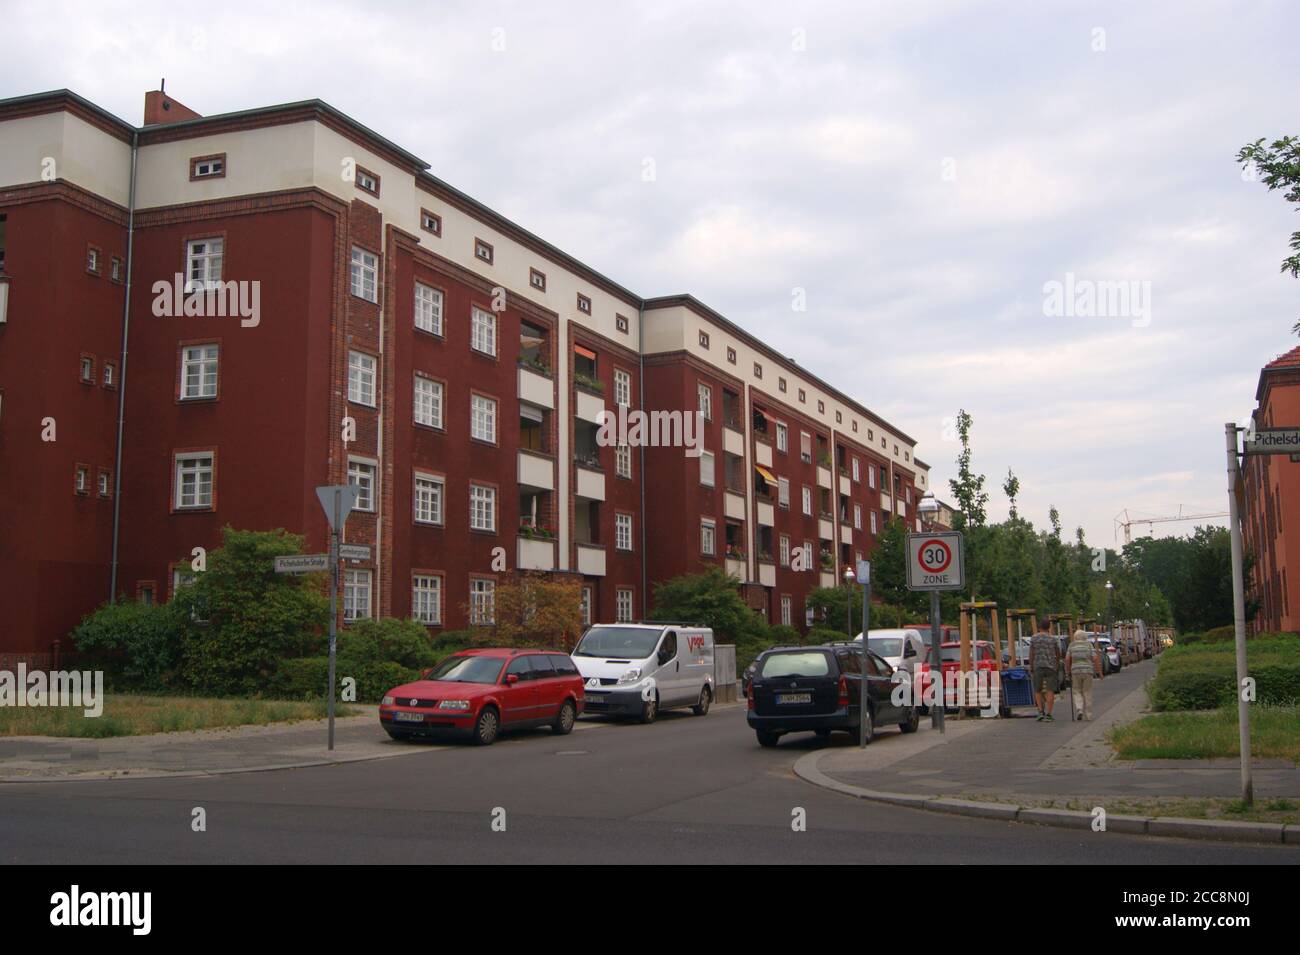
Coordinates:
[1085,665]
[1044,666]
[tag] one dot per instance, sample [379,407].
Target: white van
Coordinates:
[638,669]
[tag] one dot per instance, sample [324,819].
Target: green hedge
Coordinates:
[1203,675]
[307,677]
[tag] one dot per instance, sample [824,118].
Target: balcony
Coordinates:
[846,487]
[900,507]
[591,560]
[825,529]
[536,472]
[767,573]
[734,506]
[827,578]
[591,480]
[733,442]
[762,453]
[736,567]
[535,387]
[586,406]
[536,553]
[846,531]
[823,477]
[766,514]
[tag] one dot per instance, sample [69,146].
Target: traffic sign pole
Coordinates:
[1239,609]
[936,562]
[936,666]
[863,696]
[334,605]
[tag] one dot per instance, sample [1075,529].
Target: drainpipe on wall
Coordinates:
[645,556]
[121,367]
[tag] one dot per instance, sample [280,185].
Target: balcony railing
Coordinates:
[587,459]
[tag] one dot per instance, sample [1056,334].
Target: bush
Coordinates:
[405,642]
[136,645]
[822,635]
[306,678]
[784,635]
[1203,675]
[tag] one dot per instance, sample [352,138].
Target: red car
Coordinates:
[480,693]
[983,659]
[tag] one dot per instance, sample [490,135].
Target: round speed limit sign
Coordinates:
[934,561]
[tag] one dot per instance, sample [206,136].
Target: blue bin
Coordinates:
[1017,689]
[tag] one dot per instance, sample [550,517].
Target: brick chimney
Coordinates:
[161,108]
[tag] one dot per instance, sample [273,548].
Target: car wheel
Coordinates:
[766,739]
[822,733]
[913,723]
[650,710]
[706,698]
[563,724]
[486,727]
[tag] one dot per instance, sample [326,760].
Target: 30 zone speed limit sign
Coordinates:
[934,561]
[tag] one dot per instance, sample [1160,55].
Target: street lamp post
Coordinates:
[848,599]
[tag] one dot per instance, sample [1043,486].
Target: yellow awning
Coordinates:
[768,476]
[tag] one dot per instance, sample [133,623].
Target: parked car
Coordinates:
[640,669]
[984,659]
[905,650]
[481,693]
[819,690]
[1111,661]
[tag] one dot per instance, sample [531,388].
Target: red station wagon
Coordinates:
[481,693]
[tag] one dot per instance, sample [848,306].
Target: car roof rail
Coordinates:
[671,623]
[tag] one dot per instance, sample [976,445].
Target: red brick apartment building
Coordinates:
[1271,526]
[406,339]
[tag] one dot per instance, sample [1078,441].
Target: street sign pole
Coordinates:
[935,562]
[936,666]
[334,605]
[864,575]
[1239,610]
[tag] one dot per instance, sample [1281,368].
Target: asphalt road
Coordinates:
[686,789]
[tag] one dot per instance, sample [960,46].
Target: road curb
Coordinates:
[1267,833]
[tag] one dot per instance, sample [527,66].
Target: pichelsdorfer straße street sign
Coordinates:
[1272,441]
[302,563]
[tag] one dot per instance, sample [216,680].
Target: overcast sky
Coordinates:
[921,169]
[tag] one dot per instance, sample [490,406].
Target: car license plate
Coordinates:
[409,717]
[794,697]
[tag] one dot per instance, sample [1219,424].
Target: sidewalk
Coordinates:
[1021,762]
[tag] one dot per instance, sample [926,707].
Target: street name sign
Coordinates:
[934,561]
[354,551]
[302,563]
[1272,441]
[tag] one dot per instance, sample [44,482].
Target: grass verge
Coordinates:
[1206,734]
[132,715]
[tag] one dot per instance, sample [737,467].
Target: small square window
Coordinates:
[780,384]
[704,339]
[483,251]
[115,269]
[620,322]
[208,167]
[110,375]
[839,417]
[731,355]
[431,222]
[92,260]
[104,485]
[821,407]
[855,425]
[82,480]
[584,304]
[758,370]
[803,396]
[367,181]
[87,370]
[537,280]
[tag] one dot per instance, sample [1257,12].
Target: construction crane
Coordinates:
[1125,520]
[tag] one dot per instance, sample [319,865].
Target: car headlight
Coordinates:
[631,676]
[387,701]
[453,705]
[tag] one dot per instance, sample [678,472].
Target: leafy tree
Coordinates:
[889,569]
[1279,162]
[240,618]
[1011,488]
[712,598]
[967,487]
[536,611]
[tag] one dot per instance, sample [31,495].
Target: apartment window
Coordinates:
[482,602]
[783,491]
[707,469]
[103,484]
[623,531]
[704,340]
[620,322]
[584,304]
[855,425]
[361,475]
[907,493]
[367,181]
[365,274]
[586,606]
[199,365]
[856,475]
[873,522]
[623,605]
[431,222]
[92,260]
[426,599]
[483,251]
[706,401]
[839,417]
[622,387]
[361,378]
[203,261]
[782,437]
[731,355]
[623,461]
[483,331]
[780,384]
[115,269]
[786,612]
[807,500]
[110,375]
[144,591]
[821,407]
[483,419]
[808,553]
[193,480]
[857,516]
[871,435]
[805,447]
[356,594]
[87,372]
[208,167]
[81,483]
[906,456]
[758,370]
[482,508]
[537,280]
[428,402]
[803,396]
[783,551]
[428,499]
[708,538]
[871,477]
[428,309]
